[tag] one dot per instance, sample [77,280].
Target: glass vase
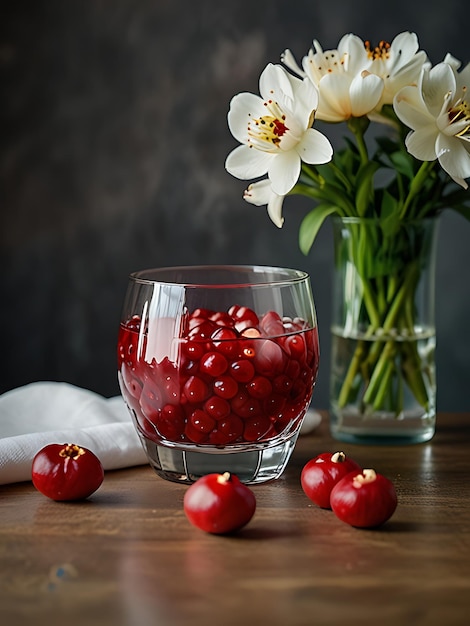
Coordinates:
[383,382]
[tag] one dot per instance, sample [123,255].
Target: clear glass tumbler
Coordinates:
[217,366]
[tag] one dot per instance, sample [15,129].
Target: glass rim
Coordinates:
[156,275]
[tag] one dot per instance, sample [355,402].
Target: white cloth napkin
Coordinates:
[50,412]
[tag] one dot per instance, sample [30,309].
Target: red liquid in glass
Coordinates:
[234,379]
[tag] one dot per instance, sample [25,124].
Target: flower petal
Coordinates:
[436,84]
[334,104]
[245,163]
[352,49]
[306,102]
[242,106]
[275,84]
[284,172]
[315,148]
[453,156]
[275,209]
[410,108]
[365,92]
[421,143]
[258,193]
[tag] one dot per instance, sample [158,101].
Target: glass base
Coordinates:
[255,465]
[381,428]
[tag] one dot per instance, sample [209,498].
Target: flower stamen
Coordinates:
[382,51]
[267,129]
[459,112]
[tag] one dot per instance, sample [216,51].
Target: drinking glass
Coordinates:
[217,366]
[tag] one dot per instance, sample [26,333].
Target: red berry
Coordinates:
[243,313]
[227,431]
[225,341]
[196,390]
[213,363]
[217,407]
[201,421]
[225,387]
[245,406]
[66,472]
[364,499]
[242,370]
[194,350]
[322,473]
[259,387]
[170,422]
[271,325]
[219,503]
[256,428]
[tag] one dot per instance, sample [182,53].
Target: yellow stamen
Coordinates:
[267,129]
[459,112]
[382,51]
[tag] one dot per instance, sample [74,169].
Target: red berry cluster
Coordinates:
[237,378]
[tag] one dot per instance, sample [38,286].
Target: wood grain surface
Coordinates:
[128,556]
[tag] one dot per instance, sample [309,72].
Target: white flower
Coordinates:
[261,193]
[347,89]
[438,112]
[398,64]
[357,80]
[275,132]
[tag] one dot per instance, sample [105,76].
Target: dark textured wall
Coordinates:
[112,149]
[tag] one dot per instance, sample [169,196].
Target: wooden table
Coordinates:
[128,556]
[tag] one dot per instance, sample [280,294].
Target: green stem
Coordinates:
[358,127]
[416,185]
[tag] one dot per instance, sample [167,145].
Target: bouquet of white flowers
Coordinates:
[416,169]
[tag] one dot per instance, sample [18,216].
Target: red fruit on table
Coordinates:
[66,472]
[364,499]
[321,474]
[219,503]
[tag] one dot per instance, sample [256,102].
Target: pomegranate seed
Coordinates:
[282,384]
[271,325]
[199,420]
[242,370]
[202,331]
[274,405]
[245,406]
[221,319]
[194,350]
[259,387]
[292,369]
[225,387]
[227,431]
[269,358]
[196,390]
[170,423]
[131,382]
[225,341]
[239,313]
[213,363]
[194,435]
[246,328]
[295,345]
[217,407]
[151,395]
[256,427]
